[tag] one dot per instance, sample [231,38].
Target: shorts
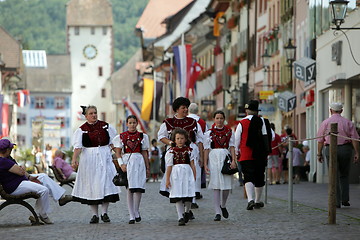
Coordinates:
[273,161]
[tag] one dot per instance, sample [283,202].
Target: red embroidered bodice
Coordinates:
[131,141]
[181,155]
[187,123]
[95,135]
[220,137]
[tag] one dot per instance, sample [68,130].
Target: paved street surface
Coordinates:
[309,219]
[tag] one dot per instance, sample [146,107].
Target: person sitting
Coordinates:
[17,181]
[63,167]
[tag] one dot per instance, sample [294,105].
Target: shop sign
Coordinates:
[305,69]
[287,101]
[265,95]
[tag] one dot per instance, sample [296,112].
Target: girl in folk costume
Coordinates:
[93,185]
[219,144]
[181,174]
[181,120]
[131,148]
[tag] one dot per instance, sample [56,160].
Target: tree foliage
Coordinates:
[41,24]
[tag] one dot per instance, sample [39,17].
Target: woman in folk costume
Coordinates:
[93,185]
[131,148]
[181,174]
[219,145]
[253,138]
[180,119]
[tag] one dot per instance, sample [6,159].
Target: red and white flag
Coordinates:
[196,69]
[23,97]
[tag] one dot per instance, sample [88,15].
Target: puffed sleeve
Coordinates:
[145,142]
[207,140]
[78,138]
[232,140]
[193,155]
[117,142]
[112,133]
[169,159]
[163,133]
[199,134]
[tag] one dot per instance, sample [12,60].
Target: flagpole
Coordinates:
[154,97]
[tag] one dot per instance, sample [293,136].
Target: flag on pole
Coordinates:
[23,97]
[147,102]
[183,60]
[5,120]
[135,111]
[196,69]
[158,96]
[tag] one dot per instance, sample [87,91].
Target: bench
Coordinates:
[60,179]
[19,199]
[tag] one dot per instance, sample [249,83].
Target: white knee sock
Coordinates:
[217,201]
[130,202]
[94,209]
[258,192]
[180,209]
[225,195]
[104,207]
[187,206]
[249,186]
[137,199]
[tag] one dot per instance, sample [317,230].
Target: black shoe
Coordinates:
[194,205]
[250,205]
[181,222]
[198,195]
[224,212]
[191,215]
[138,219]
[65,199]
[259,205]
[217,218]
[105,218]
[347,204]
[186,217]
[94,219]
[132,221]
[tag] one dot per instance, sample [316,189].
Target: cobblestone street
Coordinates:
[159,218]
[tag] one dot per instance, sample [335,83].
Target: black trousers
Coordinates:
[254,171]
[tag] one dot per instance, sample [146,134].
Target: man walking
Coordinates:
[253,143]
[344,150]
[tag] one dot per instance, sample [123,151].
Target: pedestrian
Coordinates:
[253,137]
[345,150]
[64,168]
[16,181]
[307,158]
[131,148]
[285,146]
[181,174]
[193,113]
[48,155]
[155,153]
[297,163]
[273,165]
[93,185]
[219,145]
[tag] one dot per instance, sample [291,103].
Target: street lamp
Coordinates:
[266,60]
[338,10]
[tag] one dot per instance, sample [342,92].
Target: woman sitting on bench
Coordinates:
[65,169]
[16,181]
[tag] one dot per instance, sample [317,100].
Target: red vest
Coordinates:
[181,155]
[220,137]
[187,123]
[202,124]
[245,151]
[95,134]
[131,141]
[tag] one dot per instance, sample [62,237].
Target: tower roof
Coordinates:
[89,13]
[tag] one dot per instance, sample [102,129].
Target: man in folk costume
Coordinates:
[181,120]
[253,138]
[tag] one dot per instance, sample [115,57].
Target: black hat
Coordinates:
[253,105]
